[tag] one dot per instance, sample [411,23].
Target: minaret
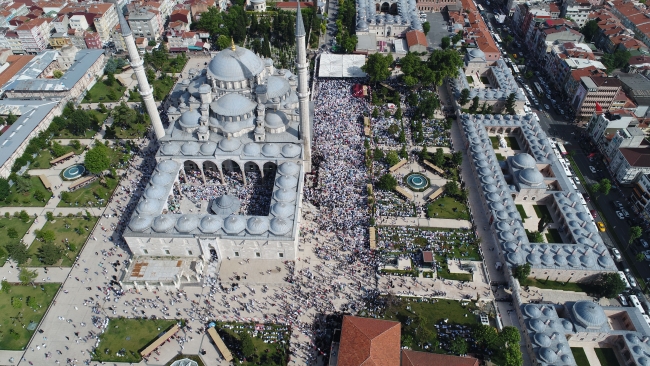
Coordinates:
[303,89]
[143,84]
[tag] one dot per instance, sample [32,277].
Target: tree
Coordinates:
[11,118]
[512,356]
[377,67]
[438,158]
[58,150]
[635,233]
[426,27]
[521,272]
[57,74]
[510,336]
[403,153]
[464,97]
[609,285]
[110,80]
[75,144]
[510,103]
[398,114]
[445,43]
[49,216]
[6,286]
[46,236]
[223,42]
[12,233]
[485,336]
[387,182]
[457,37]
[39,195]
[26,276]
[393,129]
[508,39]
[616,60]
[424,154]
[452,188]
[49,253]
[474,106]
[605,186]
[442,64]
[247,346]
[23,216]
[17,252]
[392,158]
[378,154]
[457,158]
[428,105]
[4,189]
[97,159]
[640,257]
[458,346]
[535,237]
[22,183]
[589,30]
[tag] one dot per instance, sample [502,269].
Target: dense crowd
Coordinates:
[442,241]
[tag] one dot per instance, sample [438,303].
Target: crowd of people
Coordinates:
[390,204]
[442,241]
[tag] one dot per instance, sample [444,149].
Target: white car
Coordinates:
[622,299]
[546,107]
[617,255]
[646,254]
[625,213]
[592,169]
[631,279]
[620,215]
[576,179]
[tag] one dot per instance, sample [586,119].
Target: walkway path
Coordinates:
[422,222]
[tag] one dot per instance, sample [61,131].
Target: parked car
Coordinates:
[620,215]
[601,226]
[644,243]
[594,213]
[617,255]
[622,299]
[625,213]
[631,279]
[592,169]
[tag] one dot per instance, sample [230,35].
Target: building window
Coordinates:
[189,252]
[281,255]
[236,254]
[145,251]
[167,251]
[258,254]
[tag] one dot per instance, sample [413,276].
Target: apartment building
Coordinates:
[118,39]
[77,38]
[93,40]
[475,32]
[546,34]
[61,23]
[182,41]
[59,40]
[594,90]
[577,10]
[103,16]
[634,16]
[146,23]
[641,196]
[78,22]
[34,35]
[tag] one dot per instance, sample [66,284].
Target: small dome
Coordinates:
[270,150]
[573,260]
[277,86]
[225,205]
[172,110]
[534,259]
[290,150]
[494,197]
[204,89]
[537,325]
[238,65]
[150,206]
[637,350]
[288,168]
[490,188]
[284,195]
[163,223]
[257,225]
[643,361]
[190,148]
[589,314]
[605,261]
[171,148]
[547,355]
[587,260]
[510,246]
[362,26]
[190,118]
[497,206]
[506,235]
[584,216]
[229,144]
[547,259]
[531,177]
[140,223]
[282,209]
[162,179]
[476,53]
[274,119]
[632,338]
[567,325]
[155,192]
[233,105]
[208,148]
[542,339]
[234,224]
[251,149]
[560,260]
[210,224]
[532,311]
[514,258]
[187,223]
[167,166]
[523,161]
[288,182]
[280,226]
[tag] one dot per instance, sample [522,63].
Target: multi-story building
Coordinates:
[59,40]
[633,15]
[577,10]
[102,16]
[118,39]
[546,34]
[181,41]
[637,87]
[594,90]
[641,196]
[77,38]
[639,64]
[475,32]
[146,23]
[34,35]
[435,5]
[181,15]
[602,127]
[629,163]
[61,23]
[79,22]
[92,40]
[15,43]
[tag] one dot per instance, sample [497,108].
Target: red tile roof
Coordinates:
[369,342]
[427,256]
[415,37]
[414,358]
[635,156]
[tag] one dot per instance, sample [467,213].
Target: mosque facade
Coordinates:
[239,114]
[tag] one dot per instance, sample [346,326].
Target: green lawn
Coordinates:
[453,243]
[89,195]
[607,357]
[495,142]
[134,131]
[130,336]
[522,213]
[470,80]
[500,157]
[555,285]
[554,236]
[543,213]
[100,92]
[26,199]
[580,356]
[512,142]
[271,354]
[162,88]
[14,334]
[447,208]
[20,227]
[43,159]
[424,316]
[75,232]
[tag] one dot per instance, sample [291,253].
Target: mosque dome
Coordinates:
[288,182]
[510,246]
[547,355]
[225,205]
[229,144]
[605,261]
[210,224]
[232,105]
[542,339]
[277,86]
[275,119]
[140,223]
[257,225]
[589,314]
[171,148]
[270,150]
[476,53]
[163,223]
[532,311]
[537,325]
[162,179]
[290,150]
[190,118]
[251,149]
[155,192]
[282,209]
[190,148]
[149,206]
[235,65]
[531,177]
[547,259]
[234,224]
[280,226]
[187,223]
[167,166]
[523,161]
[208,148]
[284,195]
[204,89]
[288,168]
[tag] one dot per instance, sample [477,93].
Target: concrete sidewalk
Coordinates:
[422,222]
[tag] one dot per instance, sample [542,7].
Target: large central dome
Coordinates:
[235,65]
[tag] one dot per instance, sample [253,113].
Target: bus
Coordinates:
[497,38]
[561,148]
[636,303]
[538,89]
[625,281]
[515,69]
[480,8]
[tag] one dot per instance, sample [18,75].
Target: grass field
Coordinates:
[130,336]
[522,212]
[580,356]
[13,336]
[554,236]
[512,142]
[43,159]
[20,227]
[271,354]
[419,319]
[75,232]
[100,92]
[26,199]
[543,213]
[554,285]
[89,195]
[447,208]
[607,357]
[495,142]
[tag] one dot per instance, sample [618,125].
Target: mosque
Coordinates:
[238,115]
